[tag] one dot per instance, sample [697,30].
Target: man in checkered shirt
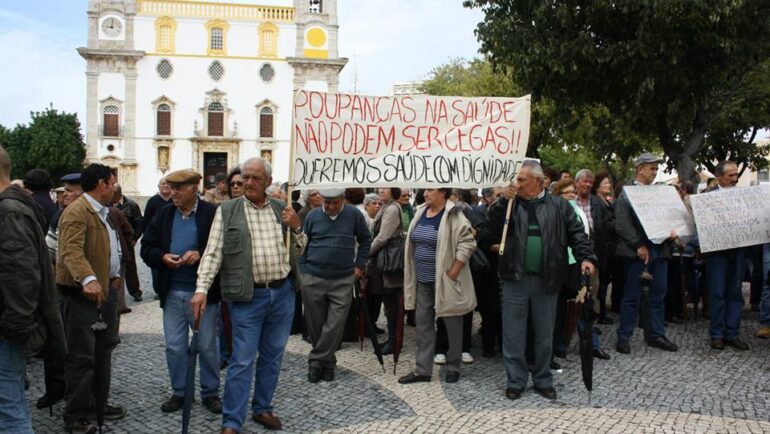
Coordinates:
[247,251]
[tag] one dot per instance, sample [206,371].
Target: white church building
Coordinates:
[175,84]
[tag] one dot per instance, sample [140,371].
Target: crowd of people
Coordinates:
[245,266]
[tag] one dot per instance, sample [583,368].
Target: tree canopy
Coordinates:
[682,72]
[51,141]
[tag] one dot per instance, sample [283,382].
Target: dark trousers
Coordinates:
[675,302]
[53,366]
[724,272]
[80,359]
[442,340]
[757,276]
[618,280]
[605,278]
[633,292]
[487,286]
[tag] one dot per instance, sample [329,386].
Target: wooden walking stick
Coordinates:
[290,186]
[505,225]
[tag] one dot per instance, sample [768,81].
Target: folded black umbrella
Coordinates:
[189,385]
[645,318]
[587,337]
[366,321]
[100,367]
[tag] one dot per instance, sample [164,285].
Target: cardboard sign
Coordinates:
[731,218]
[660,210]
[413,141]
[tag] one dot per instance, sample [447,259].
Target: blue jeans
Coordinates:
[177,323]
[224,351]
[724,271]
[632,293]
[14,412]
[764,304]
[260,326]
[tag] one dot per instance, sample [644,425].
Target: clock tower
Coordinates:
[111,77]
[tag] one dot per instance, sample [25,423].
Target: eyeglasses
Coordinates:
[236,184]
[568,192]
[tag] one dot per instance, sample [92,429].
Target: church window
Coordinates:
[266,72]
[165,28]
[111,124]
[266,123]
[268,40]
[164,120]
[217,37]
[216,70]
[164,68]
[216,115]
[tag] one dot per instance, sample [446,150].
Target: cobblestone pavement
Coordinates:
[694,390]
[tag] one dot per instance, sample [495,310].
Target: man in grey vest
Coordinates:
[247,247]
[330,267]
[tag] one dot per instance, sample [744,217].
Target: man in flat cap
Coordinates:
[247,249]
[174,242]
[330,267]
[641,254]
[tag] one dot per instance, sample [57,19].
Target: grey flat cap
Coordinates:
[331,193]
[647,158]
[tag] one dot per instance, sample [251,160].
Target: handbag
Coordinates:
[390,259]
[479,262]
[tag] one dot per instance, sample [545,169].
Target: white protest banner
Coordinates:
[730,218]
[660,210]
[414,141]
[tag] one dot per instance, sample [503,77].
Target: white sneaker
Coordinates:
[439,359]
[467,358]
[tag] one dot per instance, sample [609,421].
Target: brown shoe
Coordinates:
[717,344]
[228,431]
[268,420]
[762,333]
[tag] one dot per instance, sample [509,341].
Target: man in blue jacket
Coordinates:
[330,266]
[174,242]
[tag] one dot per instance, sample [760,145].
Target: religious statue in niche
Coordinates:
[163,158]
[267,155]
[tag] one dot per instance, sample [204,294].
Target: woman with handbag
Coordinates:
[385,285]
[437,280]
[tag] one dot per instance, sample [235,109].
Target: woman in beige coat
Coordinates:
[437,280]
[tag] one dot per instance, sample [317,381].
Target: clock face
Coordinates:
[112,27]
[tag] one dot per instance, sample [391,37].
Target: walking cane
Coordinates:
[505,225]
[290,186]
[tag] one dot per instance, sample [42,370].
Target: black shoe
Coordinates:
[156,297]
[80,426]
[663,344]
[327,374]
[386,349]
[137,296]
[213,404]
[111,412]
[414,378]
[125,310]
[562,354]
[675,320]
[47,400]
[606,321]
[546,392]
[737,343]
[600,354]
[172,404]
[623,347]
[555,365]
[314,374]
[379,330]
[513,393]
[452,376]
[717,344]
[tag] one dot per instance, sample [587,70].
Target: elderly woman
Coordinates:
[566,188]
[235,183]
[437,280]
[385,288]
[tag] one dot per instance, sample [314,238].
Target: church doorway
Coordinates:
[213,164]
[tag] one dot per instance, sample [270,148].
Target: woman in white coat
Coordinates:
[437,280]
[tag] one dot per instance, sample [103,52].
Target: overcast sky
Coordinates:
[385,42]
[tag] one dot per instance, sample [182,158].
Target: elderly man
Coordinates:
[330,267]
[247,247]
[87,275]
[598,219]
[29,308]
[158,201]
[219,193]
[533,268]
[173,244]
[133,214]
[724,272]
[640,255]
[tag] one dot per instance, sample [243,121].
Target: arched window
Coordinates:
[164,120]
[266,123]
[268,40]
[217,37]
[216,114]
[111,121]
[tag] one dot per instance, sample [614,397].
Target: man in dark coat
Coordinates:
[38,181]
[29,307]
[155,203]
[133,214]
[173,243]
[640,253]
[533,269]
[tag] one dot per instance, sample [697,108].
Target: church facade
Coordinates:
[175,84]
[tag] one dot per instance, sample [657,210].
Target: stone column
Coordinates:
[129,132]
[92,112]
